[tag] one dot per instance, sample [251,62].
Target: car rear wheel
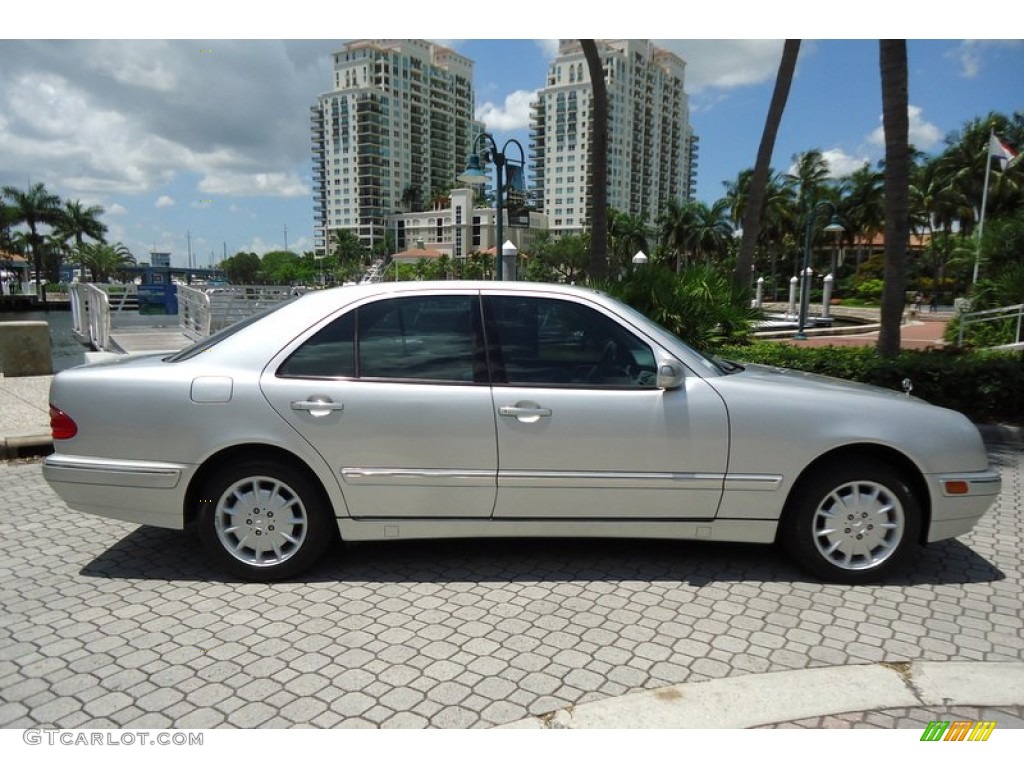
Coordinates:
[852,523]
[264,522]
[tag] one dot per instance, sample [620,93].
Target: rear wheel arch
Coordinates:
[242,453]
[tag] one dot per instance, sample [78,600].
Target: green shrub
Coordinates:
[700,304]
[986,386]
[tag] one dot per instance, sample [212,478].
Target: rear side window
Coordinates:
[417,338]
[422,337]
[329,354]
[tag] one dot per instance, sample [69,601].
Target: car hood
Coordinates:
[803,381]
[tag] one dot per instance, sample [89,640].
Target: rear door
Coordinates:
[394,395]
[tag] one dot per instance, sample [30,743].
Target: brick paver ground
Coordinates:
[110,625]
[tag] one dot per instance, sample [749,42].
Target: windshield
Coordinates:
[709,364]
[211,341]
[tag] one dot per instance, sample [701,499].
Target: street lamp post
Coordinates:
[805,273]
[474,174]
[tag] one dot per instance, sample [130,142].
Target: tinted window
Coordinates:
[329,353]
[422,337]
[551,342]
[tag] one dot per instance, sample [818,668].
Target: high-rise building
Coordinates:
[651,146]
[394,130]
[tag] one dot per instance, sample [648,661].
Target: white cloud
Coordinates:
[116,209]
[164,201]
[842,164]
[923,135]
[513,115]
[549,48]
[972,55]
[254,184]
[726,64]
[128,116]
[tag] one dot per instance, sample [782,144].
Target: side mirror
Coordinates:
[670,376]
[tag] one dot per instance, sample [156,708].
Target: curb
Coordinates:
[778,697]
[22,447]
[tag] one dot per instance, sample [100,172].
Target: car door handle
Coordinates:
[526,414]
[318,406]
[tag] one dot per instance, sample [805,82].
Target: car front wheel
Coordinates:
[852,523]
[264,522]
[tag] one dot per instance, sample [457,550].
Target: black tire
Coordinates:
[263,521]
[852,522]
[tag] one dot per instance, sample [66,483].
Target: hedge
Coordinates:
[986,386]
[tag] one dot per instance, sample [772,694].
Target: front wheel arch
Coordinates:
[899,462]
[854,520]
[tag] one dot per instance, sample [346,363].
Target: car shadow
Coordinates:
[164,555]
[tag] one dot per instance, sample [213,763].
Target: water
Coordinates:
[66,351]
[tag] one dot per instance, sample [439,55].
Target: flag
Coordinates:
[999,148]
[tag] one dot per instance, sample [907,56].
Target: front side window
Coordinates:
[551,342]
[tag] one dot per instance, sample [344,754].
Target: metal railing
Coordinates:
[95,306]
[204,311]
[1015,311]
[375,273]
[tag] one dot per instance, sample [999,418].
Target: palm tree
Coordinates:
[935,206]
[861,205]
[598,266]
[627,234]
[103,260]
[711,231]
[79,222]
[762,166]
[674,224]
[35,207]
[8,218]
[895,121]
[810,176]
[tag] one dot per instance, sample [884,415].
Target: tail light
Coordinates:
[62,426]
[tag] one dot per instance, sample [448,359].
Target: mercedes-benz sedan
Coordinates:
[457,409]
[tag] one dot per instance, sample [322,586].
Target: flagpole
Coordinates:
[984,203]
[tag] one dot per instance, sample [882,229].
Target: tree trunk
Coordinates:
[895,121]
[598,266]
[759,180]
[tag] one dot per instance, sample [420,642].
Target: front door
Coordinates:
[582,430]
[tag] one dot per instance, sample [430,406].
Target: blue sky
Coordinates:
[206,141]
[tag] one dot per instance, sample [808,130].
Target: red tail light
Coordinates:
[62,426]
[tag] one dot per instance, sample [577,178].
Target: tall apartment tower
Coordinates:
[651,147]
[396,127]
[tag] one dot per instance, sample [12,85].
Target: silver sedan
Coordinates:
[458,409]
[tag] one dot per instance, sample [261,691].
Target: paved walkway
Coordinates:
[109,625]
[923,330]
